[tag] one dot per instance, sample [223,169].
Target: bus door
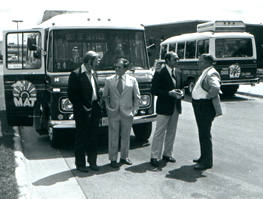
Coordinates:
[24,74]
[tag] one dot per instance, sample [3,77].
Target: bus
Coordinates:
[233,50]
[37,63]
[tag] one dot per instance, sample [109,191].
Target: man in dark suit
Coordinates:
[167,86]
[206,105]
[83,93]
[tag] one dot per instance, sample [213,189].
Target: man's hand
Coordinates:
[176,93]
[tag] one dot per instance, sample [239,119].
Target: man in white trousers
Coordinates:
[167,86]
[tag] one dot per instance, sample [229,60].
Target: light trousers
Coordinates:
[119,128]
[164,135]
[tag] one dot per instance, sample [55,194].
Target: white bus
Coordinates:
[37,63]
[233,50]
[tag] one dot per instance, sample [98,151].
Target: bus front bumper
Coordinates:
[70,124]
[252,81]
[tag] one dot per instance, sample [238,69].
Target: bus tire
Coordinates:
[142,132]
[229,90]
[54,137]
[40,120]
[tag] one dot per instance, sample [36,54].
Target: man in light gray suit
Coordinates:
[122,96]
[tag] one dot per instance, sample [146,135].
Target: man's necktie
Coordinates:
[119,85]
[173,76]
[93,85]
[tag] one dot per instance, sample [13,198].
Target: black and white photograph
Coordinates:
[117,99]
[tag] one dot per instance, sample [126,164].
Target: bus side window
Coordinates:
[180,50]
[172,47]
[163,51]
[202,47]
[190,49]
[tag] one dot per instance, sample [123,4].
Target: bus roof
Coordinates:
[206,35]
[84,20]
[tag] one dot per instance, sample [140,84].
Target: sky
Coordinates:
[142,11]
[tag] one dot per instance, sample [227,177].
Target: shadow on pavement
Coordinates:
[185,173]
[66,175]
[146,166]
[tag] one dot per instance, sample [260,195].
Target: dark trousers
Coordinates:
[86,136]
[204,115]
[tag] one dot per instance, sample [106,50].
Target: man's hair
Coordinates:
[125,62]
[90,55]
[169,55]
[207,57]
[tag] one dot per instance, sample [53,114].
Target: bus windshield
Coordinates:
[67,48]
[233,47]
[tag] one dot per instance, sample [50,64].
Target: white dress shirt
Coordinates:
[90,75]
[170,72]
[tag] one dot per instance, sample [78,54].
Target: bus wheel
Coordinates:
[191,84]
[40,120]
[54,137]
[142,132]
[229,90]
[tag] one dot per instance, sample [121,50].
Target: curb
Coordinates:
[250,94]
[20,171]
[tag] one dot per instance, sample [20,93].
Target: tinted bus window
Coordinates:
[172,47]
[180,50]
[69,46]
[233,47]
[163,51]
[23,50]
[190,49]
[202,47]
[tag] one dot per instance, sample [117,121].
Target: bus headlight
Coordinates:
[66,105]
[145,101]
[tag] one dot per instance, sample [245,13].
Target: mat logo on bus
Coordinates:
[24,93]
[234,71]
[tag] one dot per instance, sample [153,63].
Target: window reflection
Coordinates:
[226,48]
[67,48]
[24,50]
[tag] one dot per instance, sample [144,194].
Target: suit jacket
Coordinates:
[210,84]
[80,94]
[162,83]
[122,104]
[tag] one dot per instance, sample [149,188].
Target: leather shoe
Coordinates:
[94,167]
[169,159]
[83,169]
[200,166]
[154,162]
[126,161]
[114,164]
[197,160]
[145,143]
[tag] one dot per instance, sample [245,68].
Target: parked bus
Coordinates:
[36,80]
[233,49]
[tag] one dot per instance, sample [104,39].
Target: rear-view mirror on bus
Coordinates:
[31,43]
